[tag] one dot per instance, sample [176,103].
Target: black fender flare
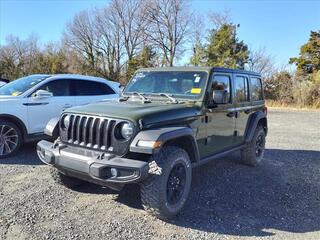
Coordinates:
[18,122]
[164,135]
[253,123]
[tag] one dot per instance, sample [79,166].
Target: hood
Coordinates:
[149,113]
[7,98]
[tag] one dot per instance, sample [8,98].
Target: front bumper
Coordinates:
[92,166]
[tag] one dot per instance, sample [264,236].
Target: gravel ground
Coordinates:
[280,199]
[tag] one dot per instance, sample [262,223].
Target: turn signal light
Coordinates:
[149,144]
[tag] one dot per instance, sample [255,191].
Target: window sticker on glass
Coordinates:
[197,78]
[196,90]
[14,94]
[140,75]
[137,76]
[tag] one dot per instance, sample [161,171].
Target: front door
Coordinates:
[220,120]
[41,110]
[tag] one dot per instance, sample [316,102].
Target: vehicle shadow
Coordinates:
[26,156]
[283,193]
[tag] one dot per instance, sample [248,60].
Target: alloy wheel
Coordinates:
[176,184]
[8,140]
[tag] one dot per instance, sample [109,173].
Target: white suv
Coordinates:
[27,104]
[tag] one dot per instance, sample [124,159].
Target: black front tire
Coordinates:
[253,153]
[165,192]
[64,180]
[11,134]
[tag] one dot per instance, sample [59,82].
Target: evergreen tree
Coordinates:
[199,55]
[309,57]
[146,58]
[224,48]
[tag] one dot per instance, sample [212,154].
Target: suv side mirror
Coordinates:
[220,96]
[42,94]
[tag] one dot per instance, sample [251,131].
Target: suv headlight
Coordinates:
[126,130]
[66,122]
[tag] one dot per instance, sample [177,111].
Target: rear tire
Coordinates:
[165,192]
[253,153]
[10,139]
[64,180]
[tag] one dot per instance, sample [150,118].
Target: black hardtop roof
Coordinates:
[230,70]
[207,69]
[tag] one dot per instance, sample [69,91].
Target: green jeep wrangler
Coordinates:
[167,121]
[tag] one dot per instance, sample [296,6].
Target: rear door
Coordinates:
[242,105]
[86,92]
[40,111]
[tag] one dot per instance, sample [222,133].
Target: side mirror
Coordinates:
[220,96]
[42,94]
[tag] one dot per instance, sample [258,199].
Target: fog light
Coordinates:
[114,172]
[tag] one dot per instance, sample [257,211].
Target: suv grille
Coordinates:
[93,132]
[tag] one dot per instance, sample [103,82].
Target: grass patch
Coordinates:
[279,104]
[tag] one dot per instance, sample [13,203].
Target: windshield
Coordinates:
[178,84]
[21,85]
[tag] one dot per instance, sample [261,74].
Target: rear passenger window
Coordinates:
[241,89]
[221,82]
[90,88]
[256,89]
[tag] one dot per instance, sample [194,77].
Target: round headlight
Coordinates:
[66,121]
[127,130]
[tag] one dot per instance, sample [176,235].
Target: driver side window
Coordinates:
[58,88]
[221,83]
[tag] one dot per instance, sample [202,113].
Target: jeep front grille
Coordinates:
[92,132]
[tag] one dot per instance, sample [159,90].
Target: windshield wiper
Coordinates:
[143,98]
[169,97]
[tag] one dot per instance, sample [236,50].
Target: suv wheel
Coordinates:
[165,192]
[10,139]
[64,180]
[253,153]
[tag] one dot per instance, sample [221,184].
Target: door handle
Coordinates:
[67,106]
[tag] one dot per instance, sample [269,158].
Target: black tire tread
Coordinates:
[150,188]
[248,156]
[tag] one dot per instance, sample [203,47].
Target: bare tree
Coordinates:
[261,62]
[130,16]
[24,57]
[169,25]
[80,36]
[110,46]
[197,40]
[220,18]
[18,56]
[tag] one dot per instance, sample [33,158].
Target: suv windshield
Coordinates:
[21,85]
[176,83]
